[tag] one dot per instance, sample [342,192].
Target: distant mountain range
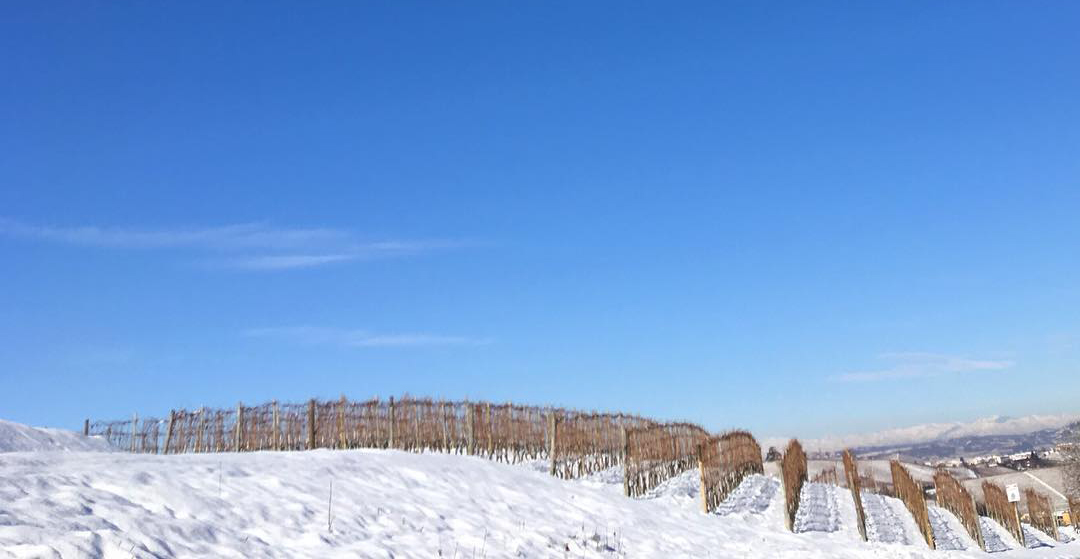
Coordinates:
[989,435]
[967,447]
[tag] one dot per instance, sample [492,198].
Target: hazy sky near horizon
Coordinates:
[798,218]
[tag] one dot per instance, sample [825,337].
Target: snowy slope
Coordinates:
[393,504]
[16,437]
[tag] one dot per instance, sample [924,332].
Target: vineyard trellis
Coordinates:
[723,462]
[588,443]
[851,475]
[911,493]
[656,453]
[502,432]
[576,443]
[793,468]
[1000,509]
[1042,516]
[951,495]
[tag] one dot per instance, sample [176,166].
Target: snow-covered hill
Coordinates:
[398,504]
[16,437]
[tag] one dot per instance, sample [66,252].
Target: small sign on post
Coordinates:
[1013,492]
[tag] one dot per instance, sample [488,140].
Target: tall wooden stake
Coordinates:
[168,433]
[553,426]
[134,430]
[311,424]
[239,425]
[704,488]
[390,442]
[341,423]
[276,437]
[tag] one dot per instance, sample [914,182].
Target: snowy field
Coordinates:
[398,504]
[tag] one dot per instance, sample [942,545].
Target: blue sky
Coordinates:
[797,218]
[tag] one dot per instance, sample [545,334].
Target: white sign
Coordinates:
[1013,491]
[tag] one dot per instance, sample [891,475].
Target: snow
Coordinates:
[1035,538]
[995,536]
[16,437]
[752,496]
[818,509]
[885,522]
[389,503]
[949,533]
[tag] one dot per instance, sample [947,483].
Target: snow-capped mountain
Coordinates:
[977,436]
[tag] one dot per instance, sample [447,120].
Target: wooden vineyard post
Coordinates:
[202,430]
[416,428]
[981,540]
[168,432]
[851,474]
[490,430]
[442,414]
[239,425]
[341,423]
[625,459]
[311,424]
[275,439]
[1016,513]
[469,440]
[704,488]
[134,428]
[553,426]
[391,441]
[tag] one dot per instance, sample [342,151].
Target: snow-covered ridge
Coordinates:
[389,503]
[993,425]
[16,437]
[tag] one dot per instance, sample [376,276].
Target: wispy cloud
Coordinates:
[249,246]
[312,335]
[920,364]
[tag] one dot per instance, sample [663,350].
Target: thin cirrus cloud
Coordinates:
[312,335]
[246,246]
[920,364]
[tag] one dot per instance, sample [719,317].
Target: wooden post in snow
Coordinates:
[470,431]
[1016,511]
[200,429]
[553,426]
[490,430]
[311,424]
[275,439]
[445,438]
[625,457]
[134,428]
[168,433]
[341,423]
[704,488]
[86,427]
[390,441]
[416,428]
[239,425]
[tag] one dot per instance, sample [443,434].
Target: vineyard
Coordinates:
[570,443]
[575,443]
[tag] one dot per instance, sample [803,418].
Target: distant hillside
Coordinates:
[967,446]
[16,437]
[989,435]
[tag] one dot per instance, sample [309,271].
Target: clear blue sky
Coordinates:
[799,218]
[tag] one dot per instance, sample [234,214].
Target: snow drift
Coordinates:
[16,437]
